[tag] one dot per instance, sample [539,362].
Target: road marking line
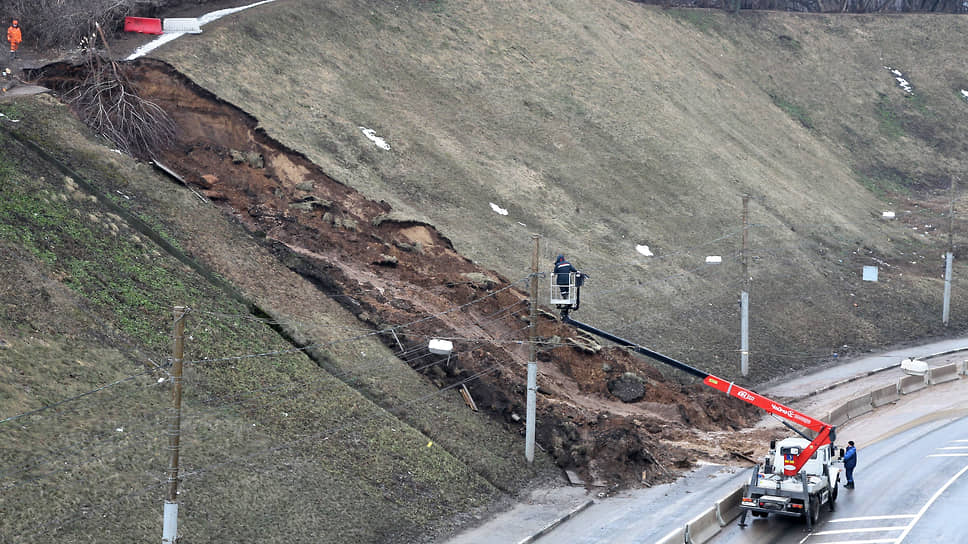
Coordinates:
[861,530]
[954,448]
[959,441]
[874,541]
[897,516]
[948,455]
[929,503]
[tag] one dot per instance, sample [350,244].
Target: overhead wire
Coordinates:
[328,433]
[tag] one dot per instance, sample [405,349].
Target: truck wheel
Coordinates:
[833,495]
[814,510]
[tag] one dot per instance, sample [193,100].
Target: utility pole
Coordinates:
[949,256]
[744,349]
[170,527]
[532,356]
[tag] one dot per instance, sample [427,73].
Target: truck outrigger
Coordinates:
[798,475]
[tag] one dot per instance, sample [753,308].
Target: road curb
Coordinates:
[548,528]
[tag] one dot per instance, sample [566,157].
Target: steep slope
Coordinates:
[611,125]
[312,403]
[274,448]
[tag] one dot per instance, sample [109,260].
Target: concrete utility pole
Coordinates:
[170,527]
[744,349]
[532,356]
[949,256]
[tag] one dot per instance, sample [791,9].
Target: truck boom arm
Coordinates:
[825,432]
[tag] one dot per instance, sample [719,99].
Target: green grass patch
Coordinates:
[889,122]
[702,19]
[795,111]
[887,185]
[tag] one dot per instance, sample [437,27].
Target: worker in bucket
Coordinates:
[850,461]
[14,37]
[563,271]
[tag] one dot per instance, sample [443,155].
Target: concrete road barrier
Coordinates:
[181,25]
[963,368]
[727,508]
[838,416]
[677,536]
[942,374]
[702,528]
[885,395]
[859,406]
[910,384]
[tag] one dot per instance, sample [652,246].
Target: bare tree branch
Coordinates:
[109,103]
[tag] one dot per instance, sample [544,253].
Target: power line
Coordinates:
[74,398]
[47,526]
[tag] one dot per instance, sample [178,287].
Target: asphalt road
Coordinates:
[890,448]
[912,487]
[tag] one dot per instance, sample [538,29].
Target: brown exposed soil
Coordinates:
[391,272]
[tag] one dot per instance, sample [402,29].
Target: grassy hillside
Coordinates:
[601,126]
[96,251]
[609,125]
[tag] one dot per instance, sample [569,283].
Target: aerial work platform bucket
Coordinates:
[565,295]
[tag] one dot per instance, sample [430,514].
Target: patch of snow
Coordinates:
[498,209]
[964,94]
[714,259]
[888,215]
[120,429]
[899,78]
[644,250]
[11,119]
[380,142]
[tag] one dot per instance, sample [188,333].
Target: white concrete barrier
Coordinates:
[176,24]
[859,406]
[702,528]
[910,384]
[727,508]
[885,395]
[942,374]
[677,536]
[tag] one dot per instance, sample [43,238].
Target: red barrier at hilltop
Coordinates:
[143,25]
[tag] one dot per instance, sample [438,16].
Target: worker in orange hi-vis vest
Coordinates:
[14,37]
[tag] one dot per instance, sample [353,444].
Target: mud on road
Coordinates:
[389,272]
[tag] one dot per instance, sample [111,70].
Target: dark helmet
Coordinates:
[560,258]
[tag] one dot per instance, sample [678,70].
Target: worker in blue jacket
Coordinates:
[850,461]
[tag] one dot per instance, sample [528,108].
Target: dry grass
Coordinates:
[609,125]
[274,448]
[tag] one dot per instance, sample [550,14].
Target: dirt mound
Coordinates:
[388,272]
